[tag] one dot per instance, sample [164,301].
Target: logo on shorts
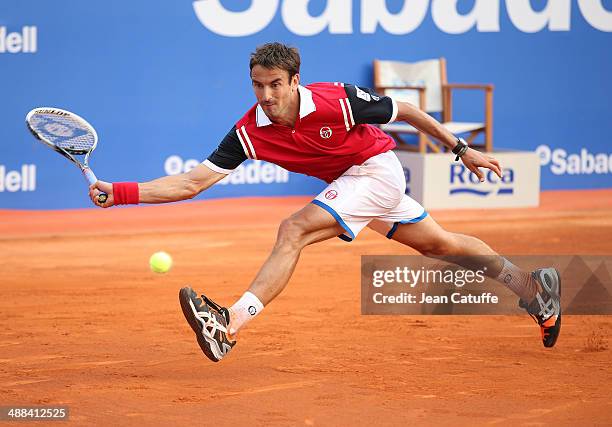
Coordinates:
[331,194]
[325,132]
[252,310]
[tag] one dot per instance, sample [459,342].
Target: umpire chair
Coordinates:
[424,84]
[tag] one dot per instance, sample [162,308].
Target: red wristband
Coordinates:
[125,193]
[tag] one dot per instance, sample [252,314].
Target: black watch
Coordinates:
[460,149]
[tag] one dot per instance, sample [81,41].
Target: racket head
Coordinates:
[61,129]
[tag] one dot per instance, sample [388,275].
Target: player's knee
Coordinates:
[290,234]
[440,246]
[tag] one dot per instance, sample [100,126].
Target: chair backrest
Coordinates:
[429,73]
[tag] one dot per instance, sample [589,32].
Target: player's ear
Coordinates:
[295,81]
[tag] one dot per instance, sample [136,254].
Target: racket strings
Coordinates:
[65,132]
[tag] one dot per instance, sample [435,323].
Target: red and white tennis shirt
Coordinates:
[332,133]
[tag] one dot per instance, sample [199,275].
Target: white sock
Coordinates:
[518,281]
[243,310]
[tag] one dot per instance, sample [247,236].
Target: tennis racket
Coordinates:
[68,134]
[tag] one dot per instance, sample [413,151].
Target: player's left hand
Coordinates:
[473,160]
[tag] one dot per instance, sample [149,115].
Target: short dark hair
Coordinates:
[277,55]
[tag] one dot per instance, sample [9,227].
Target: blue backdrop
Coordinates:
[163,81]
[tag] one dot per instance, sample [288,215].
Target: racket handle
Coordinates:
[91,178]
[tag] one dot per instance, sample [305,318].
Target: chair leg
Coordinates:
[488,139]
[422,143]
[433,145]
[473,135]
[489,120]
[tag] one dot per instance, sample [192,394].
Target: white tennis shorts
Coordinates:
[374,194]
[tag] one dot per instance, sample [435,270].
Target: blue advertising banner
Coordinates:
[163,81]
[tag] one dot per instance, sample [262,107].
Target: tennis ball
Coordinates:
[160,262]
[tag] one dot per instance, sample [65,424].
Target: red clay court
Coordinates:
[86,324]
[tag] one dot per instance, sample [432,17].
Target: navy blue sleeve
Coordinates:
[370,107]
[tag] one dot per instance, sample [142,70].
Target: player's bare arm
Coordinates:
[165,189]
[472,159]
[179,187]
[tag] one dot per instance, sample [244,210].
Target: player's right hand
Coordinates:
[473,160]
[102,187]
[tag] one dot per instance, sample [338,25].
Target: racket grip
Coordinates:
[92,179]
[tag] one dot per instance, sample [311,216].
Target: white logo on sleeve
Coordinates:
[363,95]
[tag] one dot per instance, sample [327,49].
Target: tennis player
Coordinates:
[325,130]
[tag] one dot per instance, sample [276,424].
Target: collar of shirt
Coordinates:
[307,106]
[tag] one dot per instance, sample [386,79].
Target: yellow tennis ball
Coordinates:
[160,262]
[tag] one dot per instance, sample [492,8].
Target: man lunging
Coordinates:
[325,130]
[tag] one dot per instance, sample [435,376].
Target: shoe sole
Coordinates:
[557,324]
[186,296]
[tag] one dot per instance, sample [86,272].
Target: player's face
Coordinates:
[274,91]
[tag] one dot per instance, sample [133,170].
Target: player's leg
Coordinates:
[539,291]
[309,225]
[313,223]
[430,239]
[343,209]
[215,326]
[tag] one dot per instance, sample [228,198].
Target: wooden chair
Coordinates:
[424,84]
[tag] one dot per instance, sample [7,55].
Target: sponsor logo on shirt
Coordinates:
[325,132]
